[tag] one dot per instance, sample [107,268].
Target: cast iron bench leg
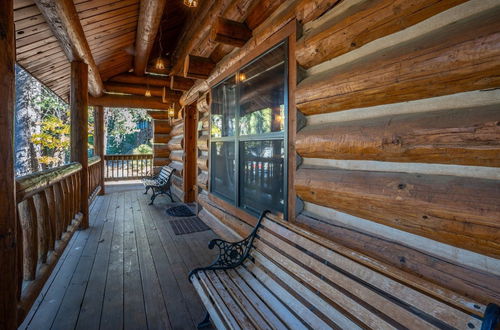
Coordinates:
[205,323]
[153,197]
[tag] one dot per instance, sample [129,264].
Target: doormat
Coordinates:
[180,211]
[188,226]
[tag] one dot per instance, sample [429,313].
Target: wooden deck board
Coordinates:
[128,270]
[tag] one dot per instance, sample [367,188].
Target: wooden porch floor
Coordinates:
[128,270]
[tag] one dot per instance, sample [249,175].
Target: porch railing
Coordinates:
[95,164]
[49,213]
[127,167]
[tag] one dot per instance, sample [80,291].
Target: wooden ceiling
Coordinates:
[110,28]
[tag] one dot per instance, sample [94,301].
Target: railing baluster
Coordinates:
[27,218]
[49,196]
[42,211]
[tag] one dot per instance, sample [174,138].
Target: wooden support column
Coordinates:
[8,217]
[190,149]
[99,136]
[79,130]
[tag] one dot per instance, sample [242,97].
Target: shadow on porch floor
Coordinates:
[128,270]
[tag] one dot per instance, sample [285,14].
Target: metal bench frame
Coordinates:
[232,255]
[158,186]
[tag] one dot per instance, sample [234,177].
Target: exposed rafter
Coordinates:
[149,21]
[65,24]
[170,96]
[152,80]
[129,101]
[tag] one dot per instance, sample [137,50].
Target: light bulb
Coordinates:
[148,93]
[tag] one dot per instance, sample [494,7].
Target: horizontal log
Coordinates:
[151,80]
[407,264]
[459,211]
[161,138]
[466,137]
[177,129]
[28,185]
[457,58]
[128,101]
[179,166]
[136,89]
[230,32]
[197,67]
[177,155]
[161,127]
[203,142]
[203,104]
[161,150]
[157,161]
[203,179]
[202,163]
[178,83]
[160,115]
[362,24]
[178,192]
[205,122]
[176,143]
[227,219]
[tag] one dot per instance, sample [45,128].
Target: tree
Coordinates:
[126,129]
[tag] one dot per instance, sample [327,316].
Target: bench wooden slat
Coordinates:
[242,319]
[353,307]
[383,304]
[219,323]
[219,303]
[323,306]
[266,295]
[255,300]
[244,304]
[293,303]
[429,305]
[440,293]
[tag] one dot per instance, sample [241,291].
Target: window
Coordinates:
[248,129]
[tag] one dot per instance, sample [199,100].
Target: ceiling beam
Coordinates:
[178,83]
[230,32]
[170,96]
[152,80]
[63,20]
[197,67]
[198,31]
[129,101]
[149,20]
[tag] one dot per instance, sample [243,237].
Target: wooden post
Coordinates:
[190,149]
[79,130]
[8,217]
[99,135]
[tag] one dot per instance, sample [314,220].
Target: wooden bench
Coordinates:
[160,184]
[282,276]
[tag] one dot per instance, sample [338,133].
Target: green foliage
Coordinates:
[143,149]
[54,135]
[124,130]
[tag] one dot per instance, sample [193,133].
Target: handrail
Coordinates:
[49,212]
[94,160]
[29,185]
[94,177]
[128,167]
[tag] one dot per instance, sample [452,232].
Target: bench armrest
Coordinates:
[231,255]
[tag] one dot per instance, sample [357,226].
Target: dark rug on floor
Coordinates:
[180,211]
[187,226]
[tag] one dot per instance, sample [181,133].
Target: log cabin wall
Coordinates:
[176,146]
[400,151]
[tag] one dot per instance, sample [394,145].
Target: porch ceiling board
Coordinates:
[37,50]
[110,28]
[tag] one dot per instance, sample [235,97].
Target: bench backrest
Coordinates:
[165,174]
[325,283]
